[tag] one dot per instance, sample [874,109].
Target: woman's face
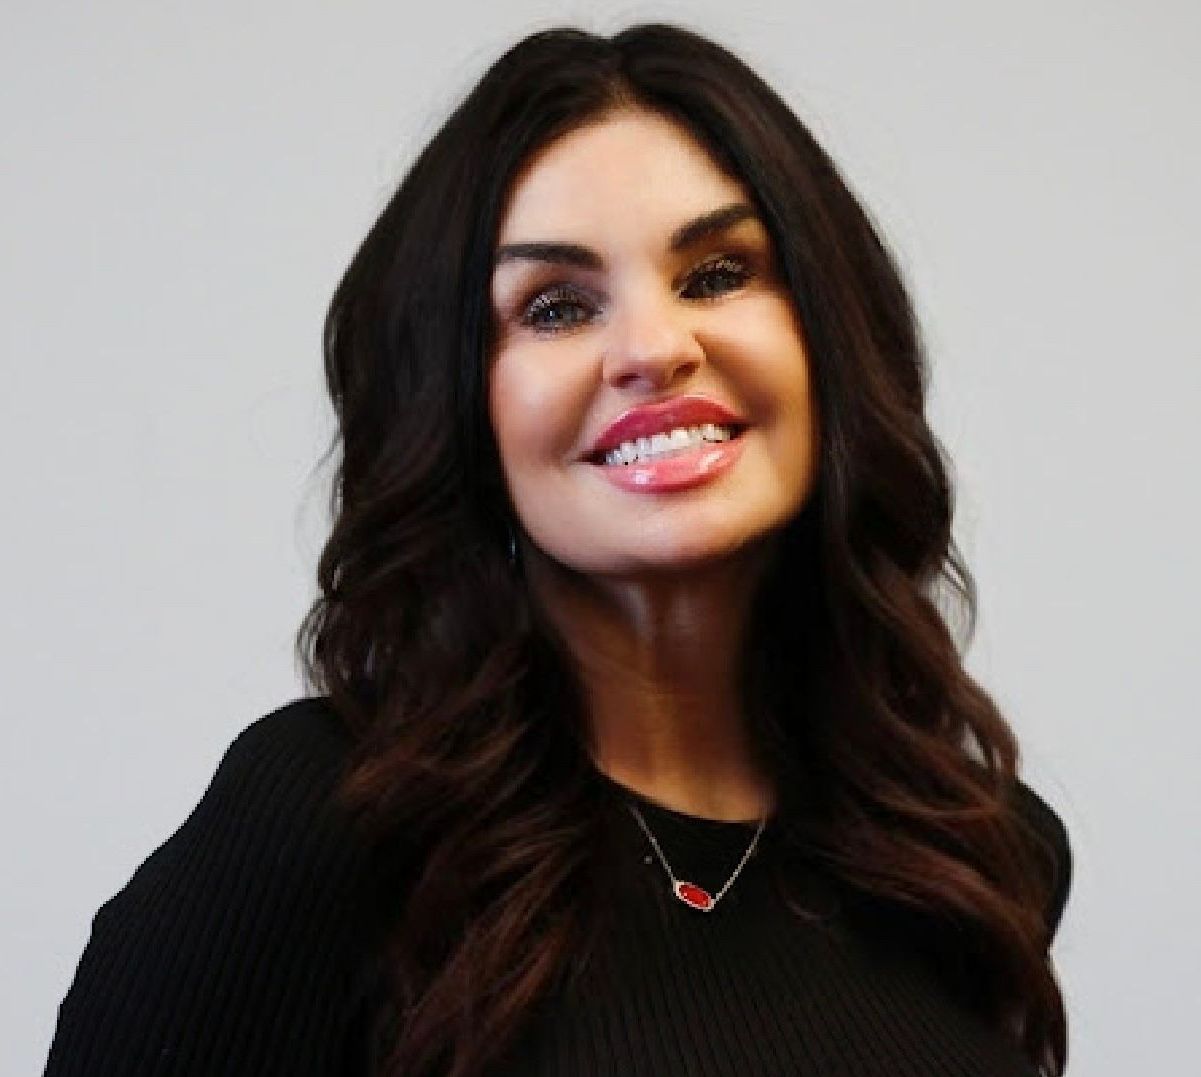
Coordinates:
[605,300]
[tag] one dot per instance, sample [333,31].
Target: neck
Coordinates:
[659,659]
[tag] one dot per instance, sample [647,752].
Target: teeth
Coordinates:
[671,441]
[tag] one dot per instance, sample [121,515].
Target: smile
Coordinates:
[681,466]
[671,443]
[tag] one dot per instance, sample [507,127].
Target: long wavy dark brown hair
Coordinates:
[470,773]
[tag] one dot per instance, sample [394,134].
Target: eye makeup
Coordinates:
[726,273]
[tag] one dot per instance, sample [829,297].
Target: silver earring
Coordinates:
[512,548]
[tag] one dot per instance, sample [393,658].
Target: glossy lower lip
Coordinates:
[702,464]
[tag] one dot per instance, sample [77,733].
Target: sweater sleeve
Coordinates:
[236,947]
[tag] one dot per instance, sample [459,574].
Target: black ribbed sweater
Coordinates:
[240,947]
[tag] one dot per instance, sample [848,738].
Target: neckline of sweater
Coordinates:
[697,823]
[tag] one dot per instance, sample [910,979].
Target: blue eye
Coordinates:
[553,299]
[554,302]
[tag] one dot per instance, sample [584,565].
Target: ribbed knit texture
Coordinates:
[241,946]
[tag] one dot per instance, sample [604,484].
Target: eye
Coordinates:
[544,313]
[732,268]
[548,302]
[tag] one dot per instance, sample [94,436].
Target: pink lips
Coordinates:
[680,471]
[647,419]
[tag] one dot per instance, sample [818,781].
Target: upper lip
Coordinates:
[646,419]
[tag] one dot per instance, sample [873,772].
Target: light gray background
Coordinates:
[183,184]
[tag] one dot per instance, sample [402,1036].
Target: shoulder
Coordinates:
[274,787]
[242,937]
[306,732]
[1052,848]
[267,825]
[297,750]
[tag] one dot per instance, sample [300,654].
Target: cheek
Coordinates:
[535,409]
[804,434]
[790,394]
[801,419]
[790,367]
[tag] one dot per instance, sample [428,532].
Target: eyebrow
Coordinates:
[573,254]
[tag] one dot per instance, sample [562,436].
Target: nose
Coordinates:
[650,344]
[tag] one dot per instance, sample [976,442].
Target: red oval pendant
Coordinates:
[694,896]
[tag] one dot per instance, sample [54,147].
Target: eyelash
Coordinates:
[552,297]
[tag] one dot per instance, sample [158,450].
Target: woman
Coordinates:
[639,743]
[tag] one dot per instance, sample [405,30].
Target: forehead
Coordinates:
[633,166]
